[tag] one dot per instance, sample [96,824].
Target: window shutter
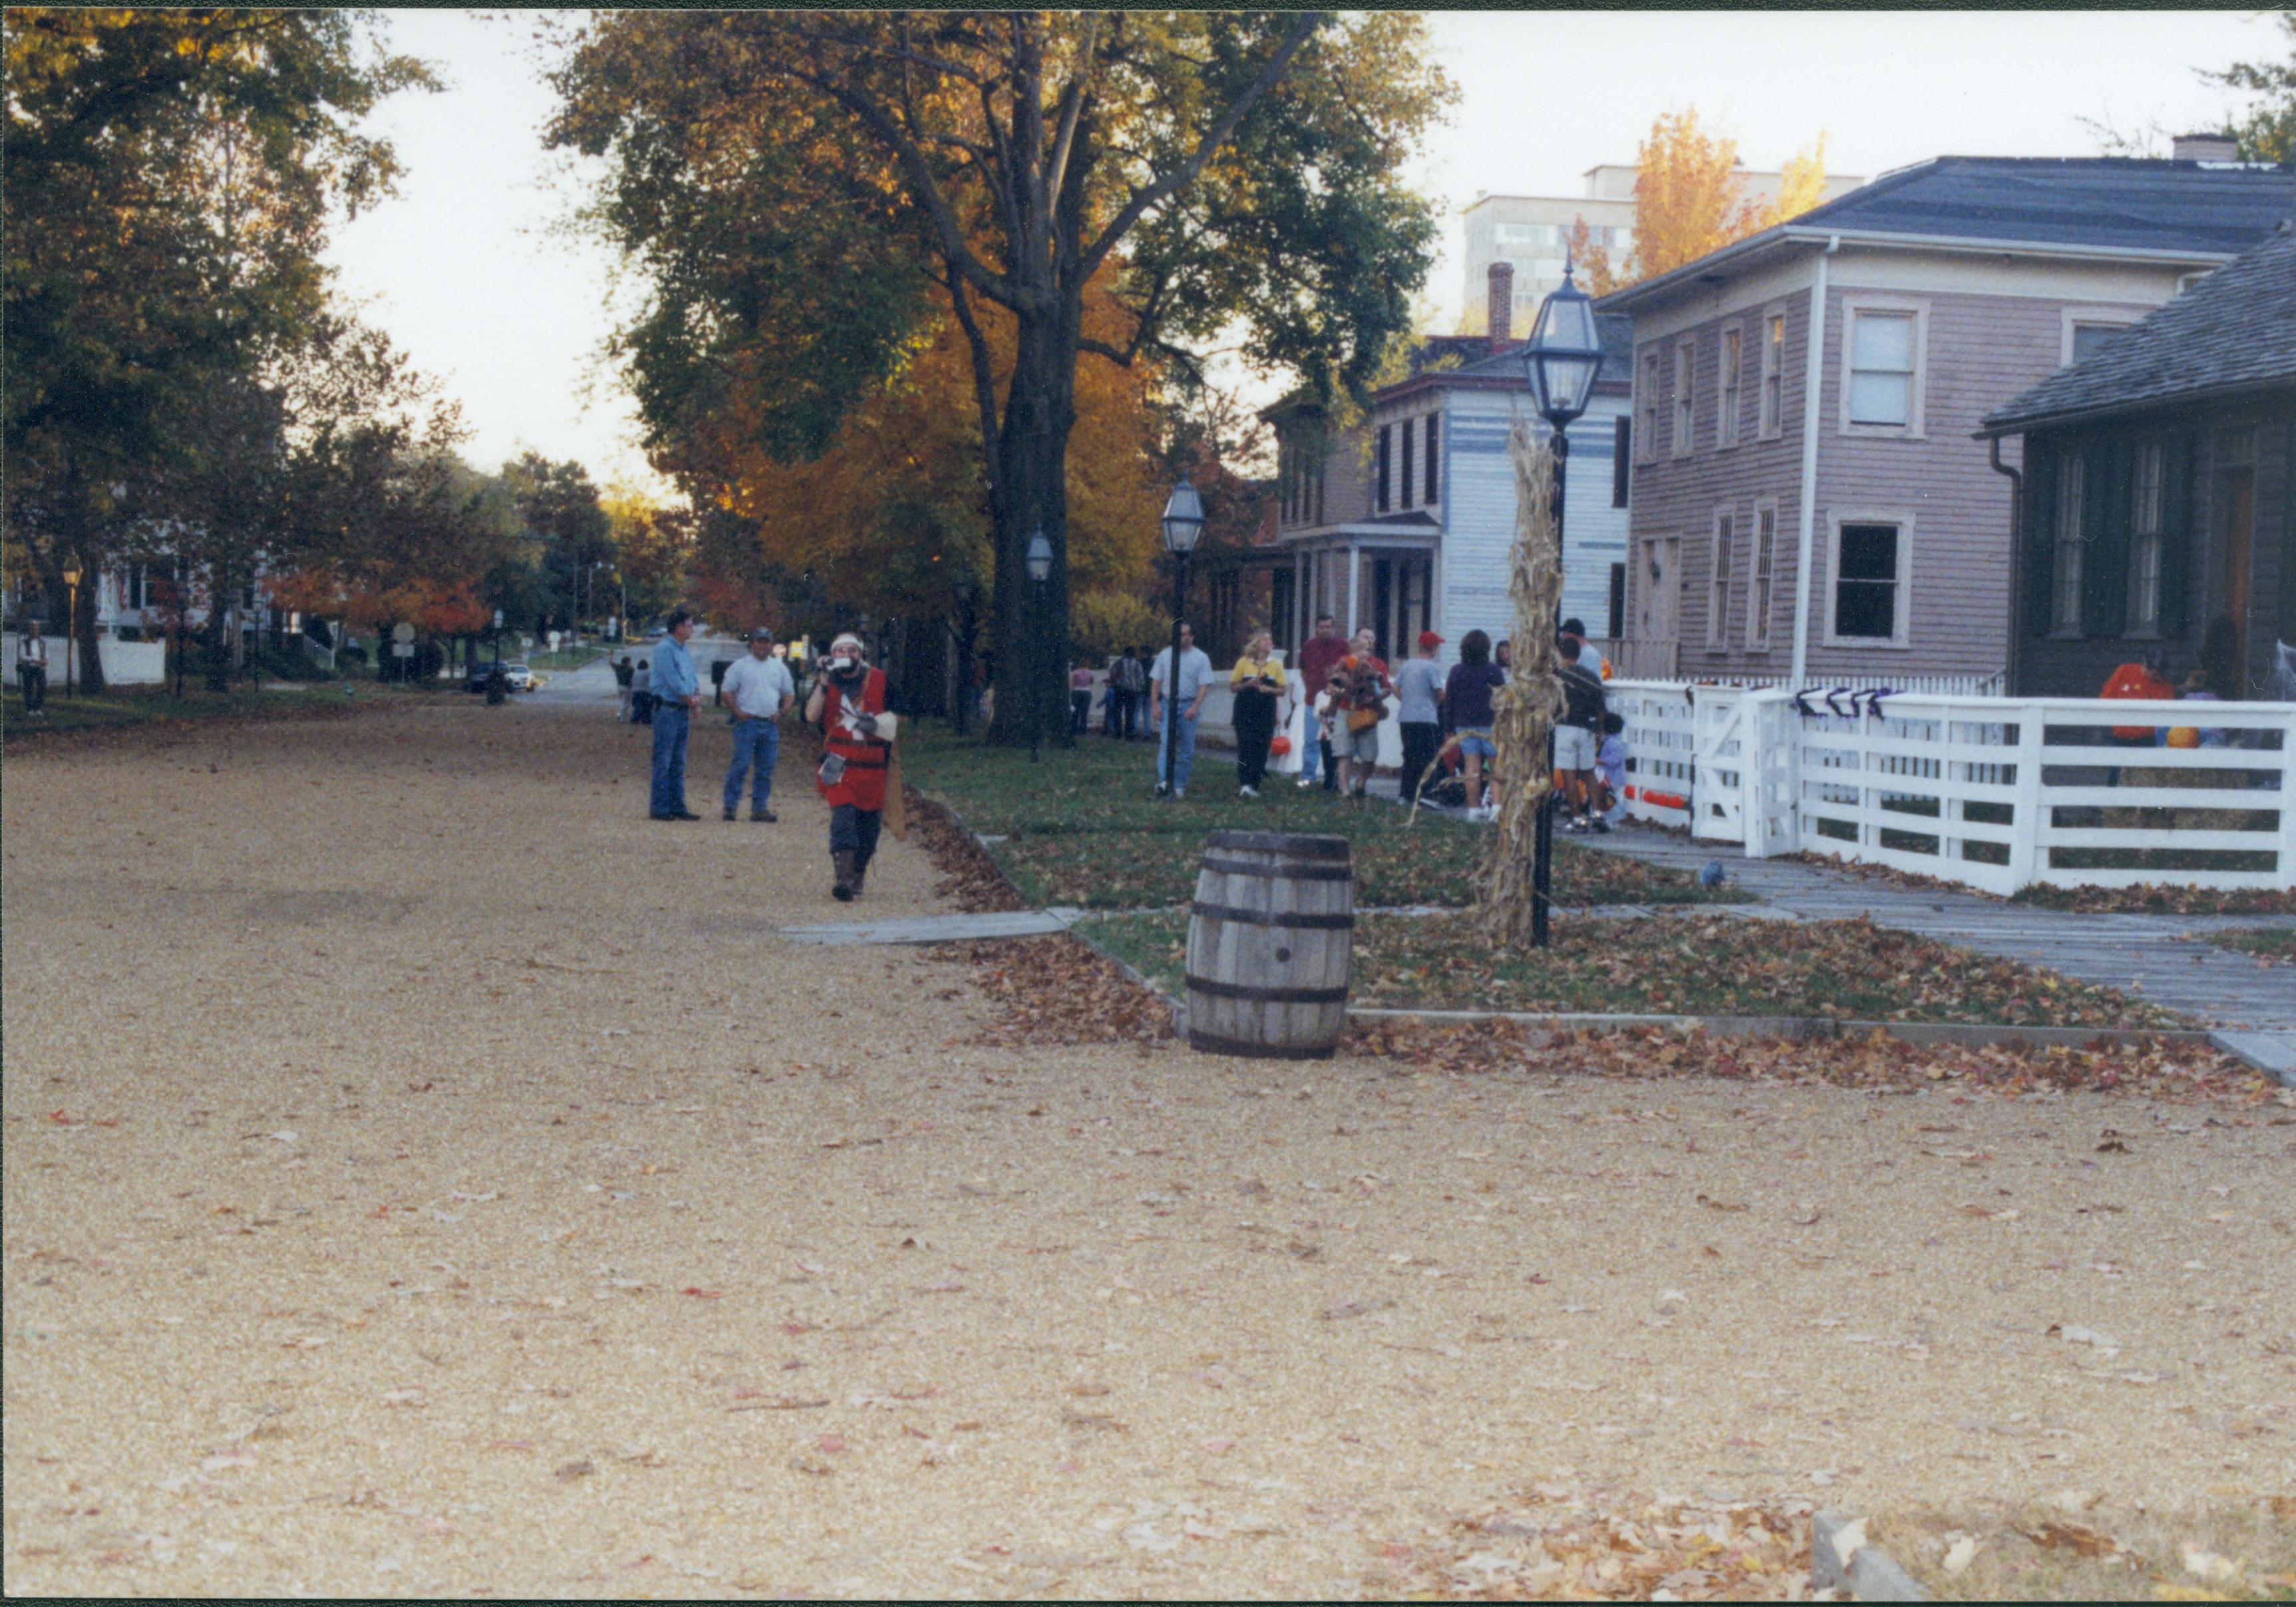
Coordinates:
[1622,447]
[1382,460]
[2104,571]
[2179,510]
[1434,478]
[2040,532]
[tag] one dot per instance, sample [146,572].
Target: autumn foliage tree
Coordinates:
[816,198]
[1691,198]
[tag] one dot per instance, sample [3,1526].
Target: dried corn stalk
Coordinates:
[1526,706]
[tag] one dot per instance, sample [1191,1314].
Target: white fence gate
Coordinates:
[1999,793]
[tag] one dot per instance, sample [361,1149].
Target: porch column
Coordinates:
[1354,586]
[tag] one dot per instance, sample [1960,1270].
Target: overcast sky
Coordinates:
[464,270]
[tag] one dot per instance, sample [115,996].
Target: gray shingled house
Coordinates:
[2158,517]
[1868,538]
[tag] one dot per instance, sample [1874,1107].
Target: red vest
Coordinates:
[863,785]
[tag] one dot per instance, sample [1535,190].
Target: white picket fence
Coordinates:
[1998,794]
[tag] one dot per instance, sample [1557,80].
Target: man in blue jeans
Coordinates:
[676,695]
[757,690]
[1194,685]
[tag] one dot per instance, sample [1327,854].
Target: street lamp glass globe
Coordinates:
[1040,556]
[1563,355]
[1184,519]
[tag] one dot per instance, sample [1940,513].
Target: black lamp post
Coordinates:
[1184,522]
[1040,569]
[965,587]
[1563,355]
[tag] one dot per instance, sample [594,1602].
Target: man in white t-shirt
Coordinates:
[32,669]
[758,689]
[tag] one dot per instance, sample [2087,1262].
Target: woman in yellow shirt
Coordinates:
[1257,682]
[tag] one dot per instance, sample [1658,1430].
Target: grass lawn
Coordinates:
[1082,827]
[1692,964]
[141,705]
[2265,942]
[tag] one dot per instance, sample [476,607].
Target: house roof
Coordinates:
[2234,332]
[2113,206]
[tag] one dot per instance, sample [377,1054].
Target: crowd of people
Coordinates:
[1342,687]
[1345,692]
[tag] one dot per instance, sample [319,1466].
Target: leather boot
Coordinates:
[860,873]
[844,888]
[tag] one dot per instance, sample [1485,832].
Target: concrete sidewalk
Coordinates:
[2158,958]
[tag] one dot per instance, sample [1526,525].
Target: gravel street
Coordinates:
[424,1175]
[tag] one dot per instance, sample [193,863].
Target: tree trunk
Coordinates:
[217,666]
[90,664]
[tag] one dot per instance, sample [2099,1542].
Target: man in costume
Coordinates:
[848,705]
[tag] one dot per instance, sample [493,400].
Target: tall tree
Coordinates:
[170,175]
[2268,130]
[1233,168]
[1690,199]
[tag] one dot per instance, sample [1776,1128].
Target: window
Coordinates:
[2065,573]
[1622,441]
[1726,412]
[1434,485]
[1685,360]
[1882,351]
[2144,545]
[1774,375]
[1380,473]
[1646,394]
[2088,338]
[1409,430]
[1870,581]
[1758,577]
[1717,579]
[1618,602]
[2087,329]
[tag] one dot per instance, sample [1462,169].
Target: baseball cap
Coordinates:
[1428,638]
[761,635]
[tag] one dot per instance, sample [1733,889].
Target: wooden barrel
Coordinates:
[1270,942]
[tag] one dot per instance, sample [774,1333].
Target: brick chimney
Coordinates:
[1501,316]
[2204,148]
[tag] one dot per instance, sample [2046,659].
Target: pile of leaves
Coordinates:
[1056,991]
[2271,944]
[1554,1543]
[2074,1546]
[969,877]
[2148,1068]
[2146,898]
[1682,964]
[2162,899]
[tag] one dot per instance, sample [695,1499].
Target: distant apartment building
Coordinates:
[1529,232]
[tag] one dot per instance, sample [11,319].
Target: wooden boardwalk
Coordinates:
[2160,958]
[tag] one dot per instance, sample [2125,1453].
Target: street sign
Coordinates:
[402,650]
[402,633]
[497,619]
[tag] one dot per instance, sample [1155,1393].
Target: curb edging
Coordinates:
[1868,1573]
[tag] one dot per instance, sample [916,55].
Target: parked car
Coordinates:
[520,678]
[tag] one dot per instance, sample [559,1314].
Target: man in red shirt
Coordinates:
[1320,653]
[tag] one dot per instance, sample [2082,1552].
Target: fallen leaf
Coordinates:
[1960,1555]
[704,1294]
[576,1470]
